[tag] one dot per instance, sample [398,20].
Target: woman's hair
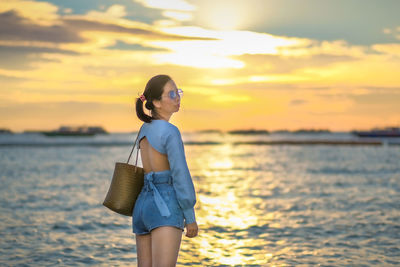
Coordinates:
[153,91]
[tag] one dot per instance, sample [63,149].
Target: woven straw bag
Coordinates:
[126,184]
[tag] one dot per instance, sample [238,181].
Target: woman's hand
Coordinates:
[191,229]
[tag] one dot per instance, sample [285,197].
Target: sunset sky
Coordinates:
[281,64]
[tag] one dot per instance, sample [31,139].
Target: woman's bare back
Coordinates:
[152,159]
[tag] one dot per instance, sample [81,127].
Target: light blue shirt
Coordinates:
[166,139]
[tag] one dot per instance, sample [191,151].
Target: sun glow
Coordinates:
[224,15]
[218,47]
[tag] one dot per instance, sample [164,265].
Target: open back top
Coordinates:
[166,139]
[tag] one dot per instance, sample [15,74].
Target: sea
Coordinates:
[276,199]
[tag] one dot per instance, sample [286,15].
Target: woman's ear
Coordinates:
[157,103]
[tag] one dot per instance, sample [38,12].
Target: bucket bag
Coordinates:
[126,184]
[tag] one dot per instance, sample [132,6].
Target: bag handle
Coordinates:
[133,147]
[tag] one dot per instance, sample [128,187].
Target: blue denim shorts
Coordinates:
[157,204]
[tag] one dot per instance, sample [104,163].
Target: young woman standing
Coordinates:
[165,206]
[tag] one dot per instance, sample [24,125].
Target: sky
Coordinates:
[242,64]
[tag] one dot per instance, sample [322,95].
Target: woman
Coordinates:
[166,203]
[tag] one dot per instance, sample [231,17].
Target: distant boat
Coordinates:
[385,132]
[249,132]
[76,131]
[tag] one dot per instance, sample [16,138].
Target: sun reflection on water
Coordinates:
[226,215]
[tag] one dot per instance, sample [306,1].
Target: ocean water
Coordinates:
[257,205]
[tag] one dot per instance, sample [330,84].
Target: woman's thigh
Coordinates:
[143,248]
[165,244]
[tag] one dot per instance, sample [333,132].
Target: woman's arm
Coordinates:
[182,180]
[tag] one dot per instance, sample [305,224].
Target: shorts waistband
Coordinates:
[161,177]
[158,177]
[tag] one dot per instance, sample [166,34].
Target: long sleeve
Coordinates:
[182,180]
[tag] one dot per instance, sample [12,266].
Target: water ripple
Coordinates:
[257,206]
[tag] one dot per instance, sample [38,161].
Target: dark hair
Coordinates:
[153,91]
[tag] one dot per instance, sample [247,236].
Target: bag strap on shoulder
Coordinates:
[133,147]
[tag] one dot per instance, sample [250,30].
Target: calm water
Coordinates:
[280,205]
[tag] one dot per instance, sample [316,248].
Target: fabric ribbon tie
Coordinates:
[142,97]
[160,203]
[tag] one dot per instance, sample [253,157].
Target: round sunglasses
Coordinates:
[174,94]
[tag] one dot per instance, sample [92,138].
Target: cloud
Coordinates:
[68,29]
[180,5]
[5,78]
[389,49]
[15,27]
[119,45]
[22,57]
[395,32]
[324,20]
[176,11]
[83,24]
[274,64]
[177,15]
[217,51]
[114,11]
[297,102]
[384,104]
[24,41]
[228,99]
[40,13]
[383,90]
[314,47]
[232,42]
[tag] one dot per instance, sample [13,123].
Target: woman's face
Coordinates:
[167,104]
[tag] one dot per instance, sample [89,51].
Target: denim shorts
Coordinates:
[157,204]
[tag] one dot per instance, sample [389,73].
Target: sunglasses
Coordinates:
[174,94]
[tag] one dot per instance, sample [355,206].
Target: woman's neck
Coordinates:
[162,117]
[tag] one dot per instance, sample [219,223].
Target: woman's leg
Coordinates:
[165,244]
[143,248]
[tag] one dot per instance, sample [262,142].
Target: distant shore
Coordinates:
[93,130]
[267,143]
